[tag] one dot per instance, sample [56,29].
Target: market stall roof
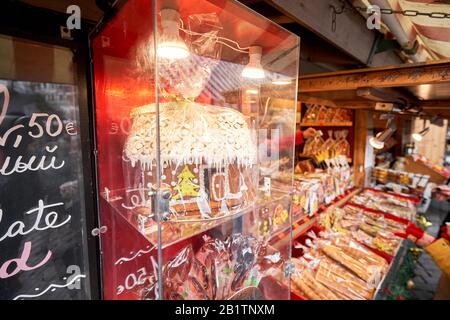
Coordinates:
[434,33]
[424,86]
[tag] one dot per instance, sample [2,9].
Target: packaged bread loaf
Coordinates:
[323,292]
[354,265]
[363,255]
[341,280]
[300,286]
[311,288]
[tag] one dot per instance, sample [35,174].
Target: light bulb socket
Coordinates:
[424,131]
[254,70]
[170,19]
[255,54]
[387,133]
[378,141]
[255,50]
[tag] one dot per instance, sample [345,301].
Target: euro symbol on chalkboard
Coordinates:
[71,129]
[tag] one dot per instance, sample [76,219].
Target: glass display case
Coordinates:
[195,105]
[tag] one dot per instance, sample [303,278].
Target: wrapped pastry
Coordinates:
[176,276]
[329,143]
[322,114]
[368,273]
[329,116]
[370,230]
[323,292]
[384,202]
[311,113]
[243,252]
[216,260]
[314,144]
[385,244]
[363,255]
[300,286]
[218,269]
[342,146]
[341,280]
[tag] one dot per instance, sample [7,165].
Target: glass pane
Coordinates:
[42,204]
[227,80]
[126,140]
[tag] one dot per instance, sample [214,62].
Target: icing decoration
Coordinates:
[229,139]
[186,187]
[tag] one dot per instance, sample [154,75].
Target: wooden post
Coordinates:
[361,128]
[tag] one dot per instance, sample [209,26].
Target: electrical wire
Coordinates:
[221,40]
[266,108]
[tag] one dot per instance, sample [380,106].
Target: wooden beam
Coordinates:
[395,76]
[284,104]
[435,105]
[282,19]
[351,34]
[314,100]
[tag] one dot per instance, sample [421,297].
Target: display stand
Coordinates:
[394,267]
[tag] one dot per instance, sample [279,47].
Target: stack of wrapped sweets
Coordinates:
[327,182]
[342,173]
[336,267]
[398,206]
[322,114]
[308,195]
[372,229]
[218,270]
[312,189]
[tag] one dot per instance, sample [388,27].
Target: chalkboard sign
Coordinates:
[43,244]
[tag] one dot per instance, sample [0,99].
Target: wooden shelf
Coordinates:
[326,124]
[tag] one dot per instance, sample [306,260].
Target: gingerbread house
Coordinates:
[207,157]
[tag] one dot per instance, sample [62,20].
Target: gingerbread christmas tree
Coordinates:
[186,187]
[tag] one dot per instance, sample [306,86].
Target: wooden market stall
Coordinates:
[407,91]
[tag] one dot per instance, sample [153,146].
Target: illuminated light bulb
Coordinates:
[281,81]
[171,46]
[252,91]
[378,141]
[418,136]
[254,70]
[374,142]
